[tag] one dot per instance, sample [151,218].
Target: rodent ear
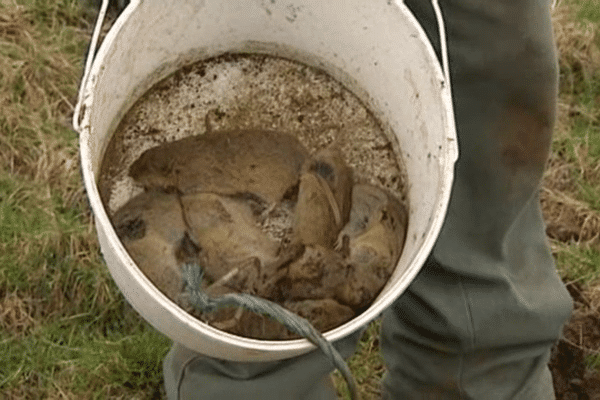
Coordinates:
[328,163]
[323,169]
[131,229]
[151,162]
[141,166]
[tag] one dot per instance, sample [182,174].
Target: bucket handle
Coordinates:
[443,41]
[88,64]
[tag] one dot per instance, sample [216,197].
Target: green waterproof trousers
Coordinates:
[480,319]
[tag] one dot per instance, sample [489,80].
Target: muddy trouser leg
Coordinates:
[189,375]
[480,319]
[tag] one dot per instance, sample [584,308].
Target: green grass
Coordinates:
[589,11]
[577,145]
[578,262]
[72,355]
[593,361]
[65,329]
[366,365]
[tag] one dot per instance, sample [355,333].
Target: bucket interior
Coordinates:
[375,49]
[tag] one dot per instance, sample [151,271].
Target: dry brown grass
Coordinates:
[570,218]
[65,330]
[37,77]
[577,43]
[39,168]
[572,215]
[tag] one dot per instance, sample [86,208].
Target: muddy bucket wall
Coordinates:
[376,49]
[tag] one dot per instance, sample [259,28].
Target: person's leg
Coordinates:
[189,375]
[480,319]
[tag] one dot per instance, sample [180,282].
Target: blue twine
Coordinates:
[193,274]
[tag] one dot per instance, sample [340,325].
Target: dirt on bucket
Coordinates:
[275,178]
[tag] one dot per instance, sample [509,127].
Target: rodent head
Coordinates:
[150,166]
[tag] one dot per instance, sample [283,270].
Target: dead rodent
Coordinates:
[375,210]
[262,162]
[376,233]
[315,275]
[329,164]
[227,232]
[374,237]
[324,198]
[324,314]
[151,228]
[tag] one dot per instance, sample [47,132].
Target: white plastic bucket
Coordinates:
[375,48]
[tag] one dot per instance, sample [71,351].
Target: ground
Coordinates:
[65,330]
[573,377]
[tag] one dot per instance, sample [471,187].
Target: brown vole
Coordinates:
[227,232]
[262,162]
[376,233]
[374,236]
[324,197]
[151,228]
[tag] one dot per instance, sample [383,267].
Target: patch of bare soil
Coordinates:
[581,338]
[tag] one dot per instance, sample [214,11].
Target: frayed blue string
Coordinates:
[193,274]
